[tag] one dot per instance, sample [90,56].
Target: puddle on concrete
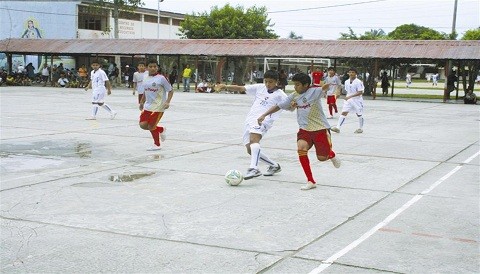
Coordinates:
[128,177]
[146,159]
[59,148]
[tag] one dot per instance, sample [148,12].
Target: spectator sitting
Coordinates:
[470,97]
[202,87]
[63,81]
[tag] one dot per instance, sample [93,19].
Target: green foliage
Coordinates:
[415,32]
[373,34]
[472,34]
[228,23]
[294,36]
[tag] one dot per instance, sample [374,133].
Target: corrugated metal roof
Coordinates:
[387,49]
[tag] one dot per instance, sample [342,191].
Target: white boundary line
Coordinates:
[328,262]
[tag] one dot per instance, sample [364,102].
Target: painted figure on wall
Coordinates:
[31,32]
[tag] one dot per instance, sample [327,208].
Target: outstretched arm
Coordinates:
[270,111]
[221,87]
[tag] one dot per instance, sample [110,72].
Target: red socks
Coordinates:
[156,135]
[305,162]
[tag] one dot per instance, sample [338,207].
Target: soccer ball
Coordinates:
[233,177]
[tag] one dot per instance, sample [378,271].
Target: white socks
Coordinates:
[255,155]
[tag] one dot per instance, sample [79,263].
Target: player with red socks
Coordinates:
[314,127]
[154,103]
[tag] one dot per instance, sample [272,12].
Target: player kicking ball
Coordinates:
[314,127]
[156,99]
[266,95]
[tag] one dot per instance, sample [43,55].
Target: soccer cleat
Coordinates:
[309,186]
[113,114]
[154,148]
[359,130]
[330,117]
[272,170]
[163,135]
[336,162]
[335,129]
[251,173]
[91,118]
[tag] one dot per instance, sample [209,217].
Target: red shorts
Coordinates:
[331,100]
[320,139]
[152,118]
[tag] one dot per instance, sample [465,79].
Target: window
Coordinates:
[176,22]
[92,18]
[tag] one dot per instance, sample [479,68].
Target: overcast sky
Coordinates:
[320,19]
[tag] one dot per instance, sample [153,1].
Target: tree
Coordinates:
[229,23]
[415,32]
[117,6]
[373,34]
[293,35]
[472,34]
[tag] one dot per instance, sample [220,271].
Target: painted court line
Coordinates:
[328,262]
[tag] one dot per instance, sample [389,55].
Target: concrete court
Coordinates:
[404,201]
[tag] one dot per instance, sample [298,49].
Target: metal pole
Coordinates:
[454,20]
[158,19]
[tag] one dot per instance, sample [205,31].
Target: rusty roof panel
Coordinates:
[387,49]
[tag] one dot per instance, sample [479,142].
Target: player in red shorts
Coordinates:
[314,127]
[334,84]
[317,77]
[157,96]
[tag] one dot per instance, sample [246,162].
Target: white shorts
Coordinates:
[253,129]
[353,104]
[98,96]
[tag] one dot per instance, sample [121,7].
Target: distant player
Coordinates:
[266,95]
[138,80]
[157,96]
[314,127]
[317,77]
[353,101]
[100,84]
[334,84]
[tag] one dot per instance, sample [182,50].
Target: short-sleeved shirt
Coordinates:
[155,90]
[263,101]
[353,87]
[334,82]
[98,79]
[138,78]
[310,115]
[317,77]
[187,72]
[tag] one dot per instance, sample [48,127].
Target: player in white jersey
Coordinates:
[138,80]
[353,101]
[314,126]
[266,95]
[334,85]
[157,96]
[100,85]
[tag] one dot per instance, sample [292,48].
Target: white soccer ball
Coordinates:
[233,177]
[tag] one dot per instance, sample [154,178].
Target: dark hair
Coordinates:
[303,78]
[331,68]
[353,69]
[271,74]
[141,63]
[94,61]
[152,61]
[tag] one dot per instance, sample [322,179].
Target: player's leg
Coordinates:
[304,143]
[359,112]
[153,120]
[95,99]
[323,147]
[253,148]
[345,109]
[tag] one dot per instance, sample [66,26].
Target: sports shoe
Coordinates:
[272,170]
[113,114]
[91,118]
[154,148]
[309,186]
[163,135]
[336,162]
[329,117]
[335,129]
[359,130]
[252,172]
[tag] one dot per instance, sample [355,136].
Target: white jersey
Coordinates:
[155,90]
[353,87]
[263,101]
[138,78]
[98,79]
[334,82]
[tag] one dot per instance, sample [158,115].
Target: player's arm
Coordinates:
[270,111]
[88,86]
[134,86]
[109,87]
[358,93]
[221,87]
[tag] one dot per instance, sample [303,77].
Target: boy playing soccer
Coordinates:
[266,96]
[138,80]
[333,83]
[353,101]
[314,127]
[154,103]
[98,81]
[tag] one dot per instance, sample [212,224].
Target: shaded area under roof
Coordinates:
[384,49]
